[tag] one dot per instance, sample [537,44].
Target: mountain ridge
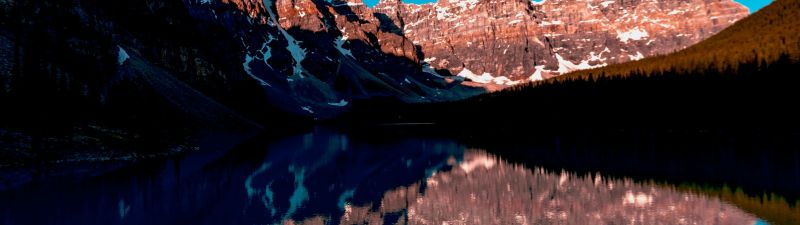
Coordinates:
[533,41]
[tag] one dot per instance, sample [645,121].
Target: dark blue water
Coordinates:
[328,177]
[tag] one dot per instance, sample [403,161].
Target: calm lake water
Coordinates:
[329,177]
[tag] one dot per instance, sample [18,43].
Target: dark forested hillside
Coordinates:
[745,75]
[758,40]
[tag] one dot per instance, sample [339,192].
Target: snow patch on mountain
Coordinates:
[441,13]
[341,103]
[249,71]
[307,109]
[348,4]
[266,51]
[486,78]
[469,4]
[636,57]
[297,52]
[537,76]
[632,34]
[266,54]
[565,66]
[339,46]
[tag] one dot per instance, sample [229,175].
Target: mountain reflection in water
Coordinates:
[485,190]
[325,177]
[327,180]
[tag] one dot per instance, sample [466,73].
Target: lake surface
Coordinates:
[329,177]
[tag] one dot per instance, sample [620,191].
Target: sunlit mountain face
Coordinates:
[513,42]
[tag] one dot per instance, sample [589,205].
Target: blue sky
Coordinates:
[754,5]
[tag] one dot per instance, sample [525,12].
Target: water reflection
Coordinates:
[321,172]
[325,177]
[485,190]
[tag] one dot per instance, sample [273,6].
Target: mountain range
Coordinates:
[507,42]
[313,57]
[742,76]
[135,70]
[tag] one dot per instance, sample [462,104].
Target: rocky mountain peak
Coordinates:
[506,42]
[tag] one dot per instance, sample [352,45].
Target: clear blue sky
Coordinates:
[754,5]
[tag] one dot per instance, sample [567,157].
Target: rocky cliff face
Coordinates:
[508,41]
[314,57]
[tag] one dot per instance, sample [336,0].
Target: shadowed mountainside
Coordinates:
[73,73]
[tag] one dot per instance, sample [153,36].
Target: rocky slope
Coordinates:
[314,57]
[258,58]
[507,41]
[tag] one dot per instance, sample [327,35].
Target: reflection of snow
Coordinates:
[122,56]
[267,197]
[124,209]
[344,197]
[640,199]
[478,161]
[300,194]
